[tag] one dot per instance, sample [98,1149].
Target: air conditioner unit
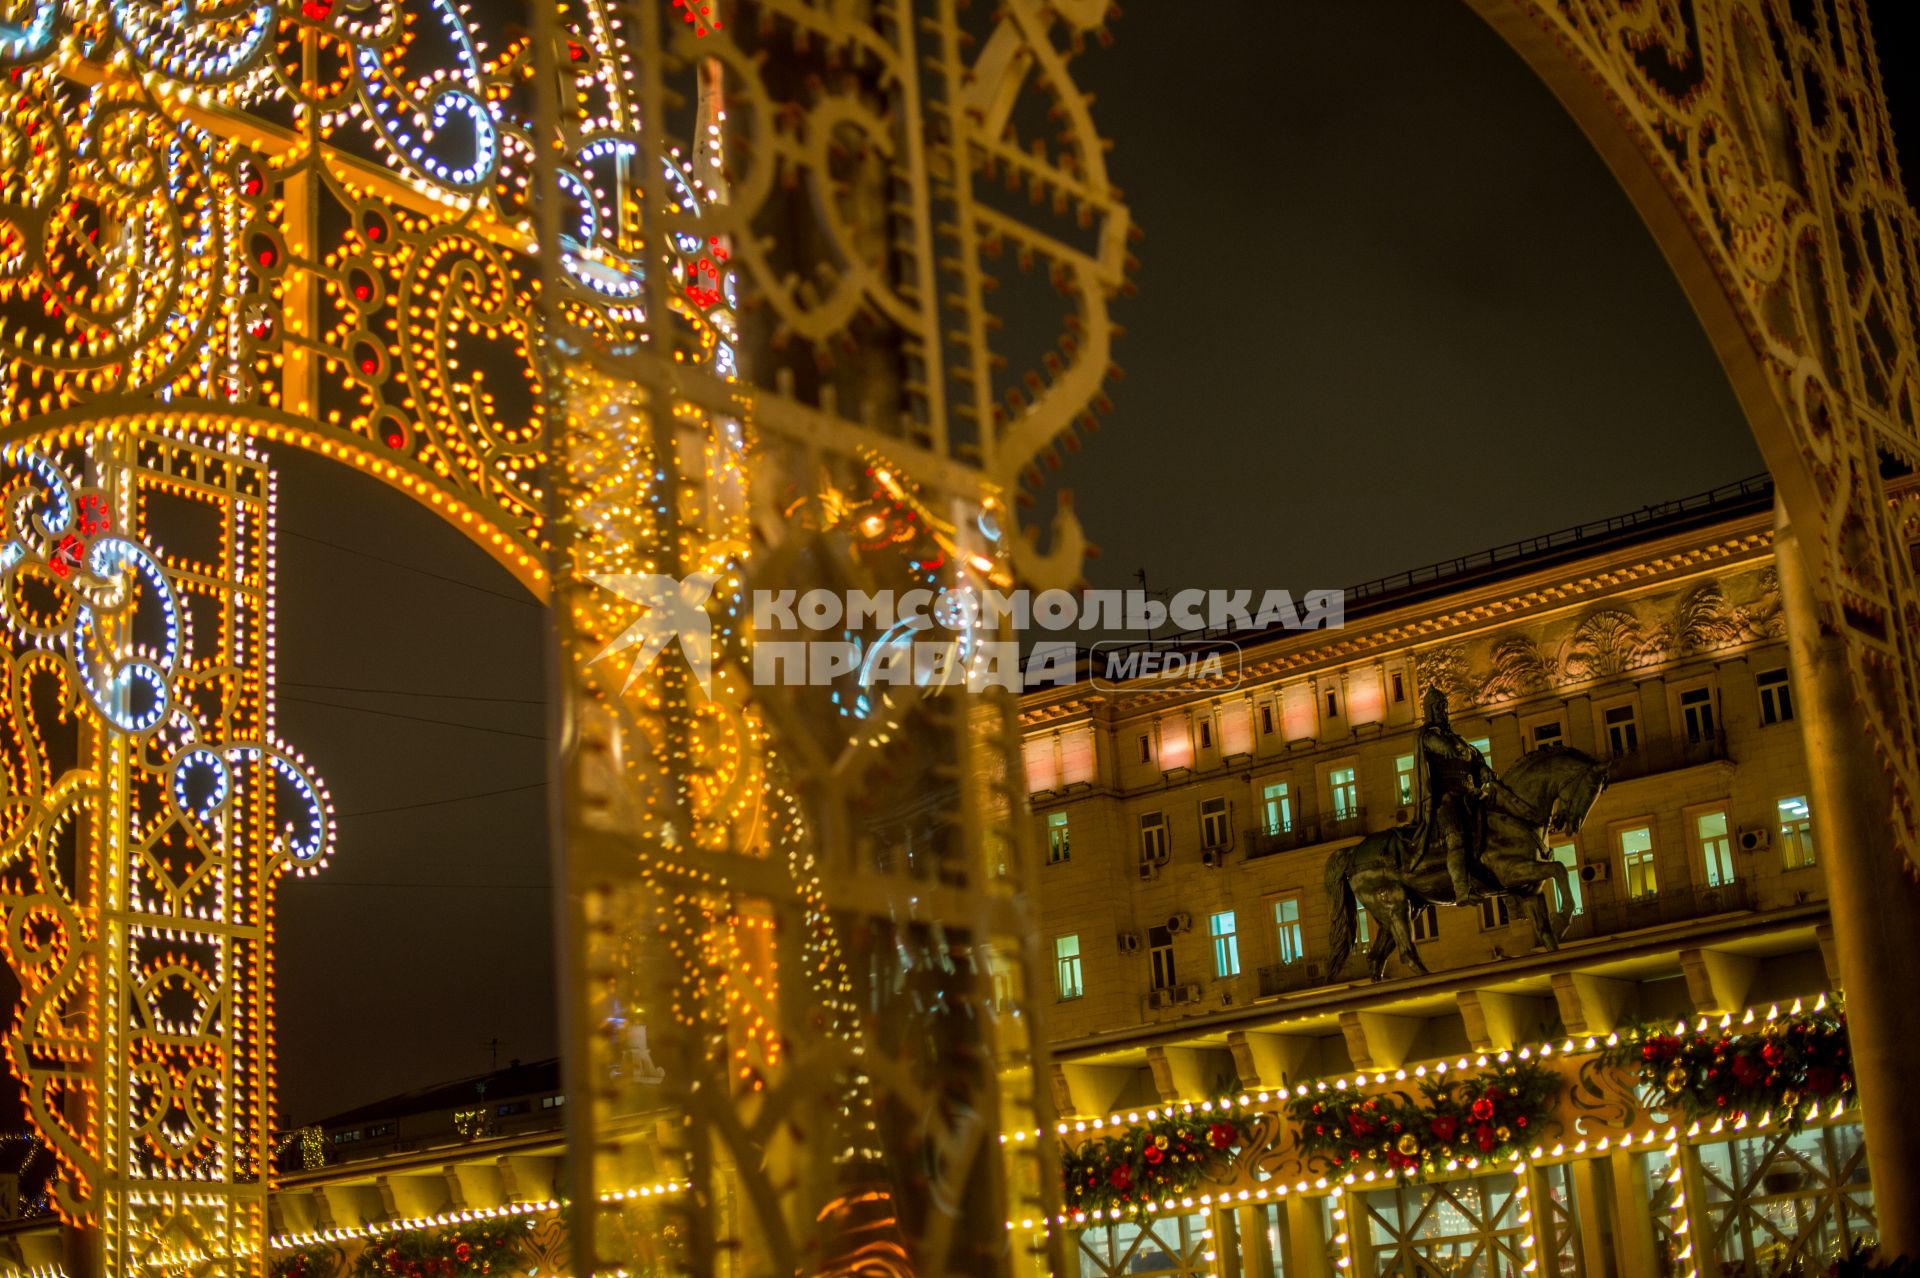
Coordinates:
[1403,816]
[1595,872]
[1178,923]
[1214,856]
[1129,942]
[1149,870]
[1755,838]
[1160,999]
[1189,994]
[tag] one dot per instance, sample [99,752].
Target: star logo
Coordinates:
[670,610]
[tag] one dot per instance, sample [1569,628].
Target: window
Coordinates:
[552,1102]
[1493,913]
[1776,697]
[1213,823]
[1569,856]
[1226,944]
[1696,712]
[1362,928]
[1206,734]
[1636,862]
[1796,832]
[1399,687]
[380,1129]
[1276,806]
[1343,786]
[1549,734]
[1058,848]
[1153,836]
[1333,704]
[1716,847]
[1146,749]
[1160,951]
[1623,733]
[1066,966]
[1286,922]
[1403,779]
[1485,746]
[1426,923]
[510,1107]
[1266,720]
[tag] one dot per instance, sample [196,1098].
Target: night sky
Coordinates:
[1392,308]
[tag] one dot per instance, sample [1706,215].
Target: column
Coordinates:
[1876,908]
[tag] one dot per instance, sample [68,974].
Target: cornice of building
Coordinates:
[1630,571]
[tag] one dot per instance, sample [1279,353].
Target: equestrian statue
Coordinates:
[1477,837]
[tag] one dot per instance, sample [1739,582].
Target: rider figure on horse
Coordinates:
[1451,777]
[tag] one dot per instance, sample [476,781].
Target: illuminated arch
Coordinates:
[1763,182]
[510,546]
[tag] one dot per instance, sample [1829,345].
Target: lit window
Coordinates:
[1549,734]
[1569,856]
[1214,820]
[1153,836]
[1066,966]
[1058,847]
[1426,923]
[1286,922]
[1362,928]
[1623,733]
[1493,913]
[1716,847]
[1696,712]
[1636,862]
[1343,786]
[1776,697]
[1485,746]
[1276,806]
[1226,944]
[1160,951]
[1796,832]
[1403,778]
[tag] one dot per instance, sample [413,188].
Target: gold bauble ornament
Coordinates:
[1159,1142]
[1676,1079]
[1408,1145]
[1790,1099]
[1503,1133]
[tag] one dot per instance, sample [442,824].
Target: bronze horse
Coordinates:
[1553,788]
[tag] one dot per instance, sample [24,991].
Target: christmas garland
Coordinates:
[1489,1116]
[1166,1158]
[316,1260]
[461,1251]
[1708,1075]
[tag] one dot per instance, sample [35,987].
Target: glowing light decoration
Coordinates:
[315,223]
[142,852]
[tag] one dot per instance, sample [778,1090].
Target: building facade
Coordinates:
[1188,826]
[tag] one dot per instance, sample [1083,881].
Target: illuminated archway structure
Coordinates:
[312,223]
[758,290]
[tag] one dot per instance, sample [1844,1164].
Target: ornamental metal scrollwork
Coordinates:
[148,811]
[1769,161]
